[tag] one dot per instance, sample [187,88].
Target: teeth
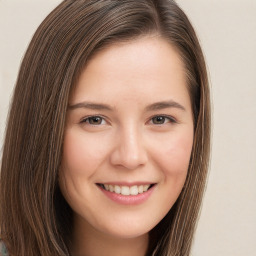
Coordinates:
[117,189]
[125,190]
[145,187]
[134,190]
[111,188]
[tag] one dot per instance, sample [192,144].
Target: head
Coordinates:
[34,213]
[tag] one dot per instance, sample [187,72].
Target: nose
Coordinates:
[130,151]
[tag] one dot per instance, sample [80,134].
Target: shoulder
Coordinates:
[3,251]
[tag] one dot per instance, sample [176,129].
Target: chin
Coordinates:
[128,230]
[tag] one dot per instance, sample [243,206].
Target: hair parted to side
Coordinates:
[34,217]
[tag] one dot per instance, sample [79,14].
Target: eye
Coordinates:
[94,120]
[158,120]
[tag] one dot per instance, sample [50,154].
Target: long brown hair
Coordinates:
[34,217]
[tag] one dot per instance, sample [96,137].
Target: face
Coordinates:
[128,138]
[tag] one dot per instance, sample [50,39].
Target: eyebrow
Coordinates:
[90,105]
[152,107]
[165,104]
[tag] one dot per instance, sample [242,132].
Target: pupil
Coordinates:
[95,120]
[159,120]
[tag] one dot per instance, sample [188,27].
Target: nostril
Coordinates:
[130,151]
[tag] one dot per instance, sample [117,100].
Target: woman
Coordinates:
[107,144]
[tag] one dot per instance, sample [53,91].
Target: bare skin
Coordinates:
[129,124]
[103,244]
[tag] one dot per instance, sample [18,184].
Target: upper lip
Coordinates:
[125,183]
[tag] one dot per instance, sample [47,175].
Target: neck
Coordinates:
[88,241]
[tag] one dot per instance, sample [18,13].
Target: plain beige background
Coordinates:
[227,31]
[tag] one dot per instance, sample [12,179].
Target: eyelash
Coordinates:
[87,120]
[166,117]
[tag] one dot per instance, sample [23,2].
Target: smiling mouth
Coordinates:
[126,190]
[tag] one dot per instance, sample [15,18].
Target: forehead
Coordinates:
[144,67]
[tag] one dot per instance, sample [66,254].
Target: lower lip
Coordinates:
[128,200]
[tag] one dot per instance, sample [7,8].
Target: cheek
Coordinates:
[82,154]
[172,160]
[174,155]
